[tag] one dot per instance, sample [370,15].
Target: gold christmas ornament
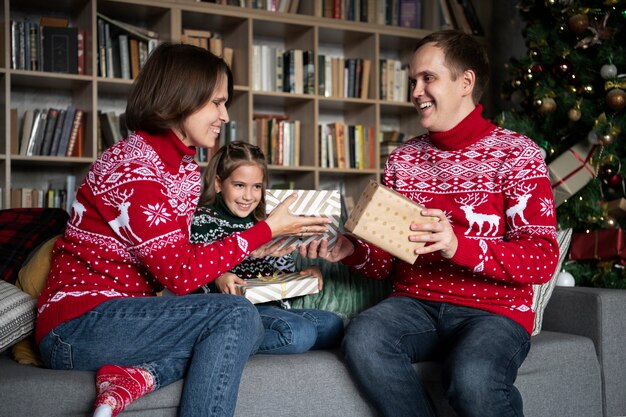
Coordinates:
[548,105]
[574,114]
[578,23]
[616,99]
[607,139]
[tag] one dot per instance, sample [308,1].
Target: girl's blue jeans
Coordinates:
[205,338]
[298,330]
[480,353]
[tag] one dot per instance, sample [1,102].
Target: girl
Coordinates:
[128,238]
[233,200]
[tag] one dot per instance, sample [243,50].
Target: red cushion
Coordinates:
[21,231]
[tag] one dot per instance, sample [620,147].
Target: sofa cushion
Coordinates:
[21,231]
[17,314]
[543,292]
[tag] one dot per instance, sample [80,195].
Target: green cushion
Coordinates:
[345,293]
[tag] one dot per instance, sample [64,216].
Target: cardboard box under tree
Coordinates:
[279,287]
[309,203]
[383,217]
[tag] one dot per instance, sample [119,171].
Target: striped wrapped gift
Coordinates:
[309,203]
[279,287]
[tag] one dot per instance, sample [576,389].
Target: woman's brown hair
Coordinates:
[225,161]
[176,81]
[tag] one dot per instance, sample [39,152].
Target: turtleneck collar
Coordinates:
[169,147]
[467,132]
[221,208]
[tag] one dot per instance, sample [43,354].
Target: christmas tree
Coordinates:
[569,95]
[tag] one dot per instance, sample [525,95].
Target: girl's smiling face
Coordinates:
[242,190]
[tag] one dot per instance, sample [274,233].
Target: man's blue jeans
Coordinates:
[298,330]
[206,338]
[480,353]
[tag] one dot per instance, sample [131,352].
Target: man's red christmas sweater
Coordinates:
[493,185]
[128,235]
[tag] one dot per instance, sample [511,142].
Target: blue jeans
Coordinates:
[480,353]
[206,338]
[298,330]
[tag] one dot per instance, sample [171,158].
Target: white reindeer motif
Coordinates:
[522,201]
[121,222]
[468,205]
[77,212]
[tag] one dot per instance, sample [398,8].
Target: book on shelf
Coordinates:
[446,15]
[472,17]
[123,48]
[110,128]
[66,131]
[410,13]
[27,126]
[60,49]
[37,132]
[14,134]
[77,127]
[58,130]
[458,14]
[53,115]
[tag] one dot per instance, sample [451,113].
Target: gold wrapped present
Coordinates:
[383,217]
[309,203]
[571,171]
[279,287]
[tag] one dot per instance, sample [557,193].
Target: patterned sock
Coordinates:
[117,387]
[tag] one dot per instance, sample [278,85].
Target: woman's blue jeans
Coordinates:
[298,330]
[480,353]
[206,338]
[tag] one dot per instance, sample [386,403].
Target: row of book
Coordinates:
[52,132]
[289,71]
[283,6]
[460,14]
[58,196]
[209,40]
[343,77]
[394,80]
[123,48]
[347,146]
[405,13]
[48,44]
[278,138]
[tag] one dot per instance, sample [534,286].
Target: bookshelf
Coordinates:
[239,28]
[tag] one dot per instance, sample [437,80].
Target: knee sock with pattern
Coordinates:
[118,386]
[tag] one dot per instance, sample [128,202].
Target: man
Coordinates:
[466,301]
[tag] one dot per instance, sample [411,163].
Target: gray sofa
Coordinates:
[576,368]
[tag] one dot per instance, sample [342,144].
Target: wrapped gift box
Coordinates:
[617,208]
[279,287]
[309,203]
[600,245]
[383,217]
[571,171]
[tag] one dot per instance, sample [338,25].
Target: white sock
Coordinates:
[103,410]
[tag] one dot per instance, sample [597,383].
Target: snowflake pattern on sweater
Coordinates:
[493,186]
[128,235]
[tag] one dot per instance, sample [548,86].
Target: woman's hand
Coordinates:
[227,283]
[342,249]
[283,223]
[315,271]
[439,236]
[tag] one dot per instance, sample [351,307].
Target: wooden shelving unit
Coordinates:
[240,28]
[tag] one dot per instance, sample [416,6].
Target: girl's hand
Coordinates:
[342,249]
[439,235]
[270,249]
[283,223]
[315,271]
[227,283]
